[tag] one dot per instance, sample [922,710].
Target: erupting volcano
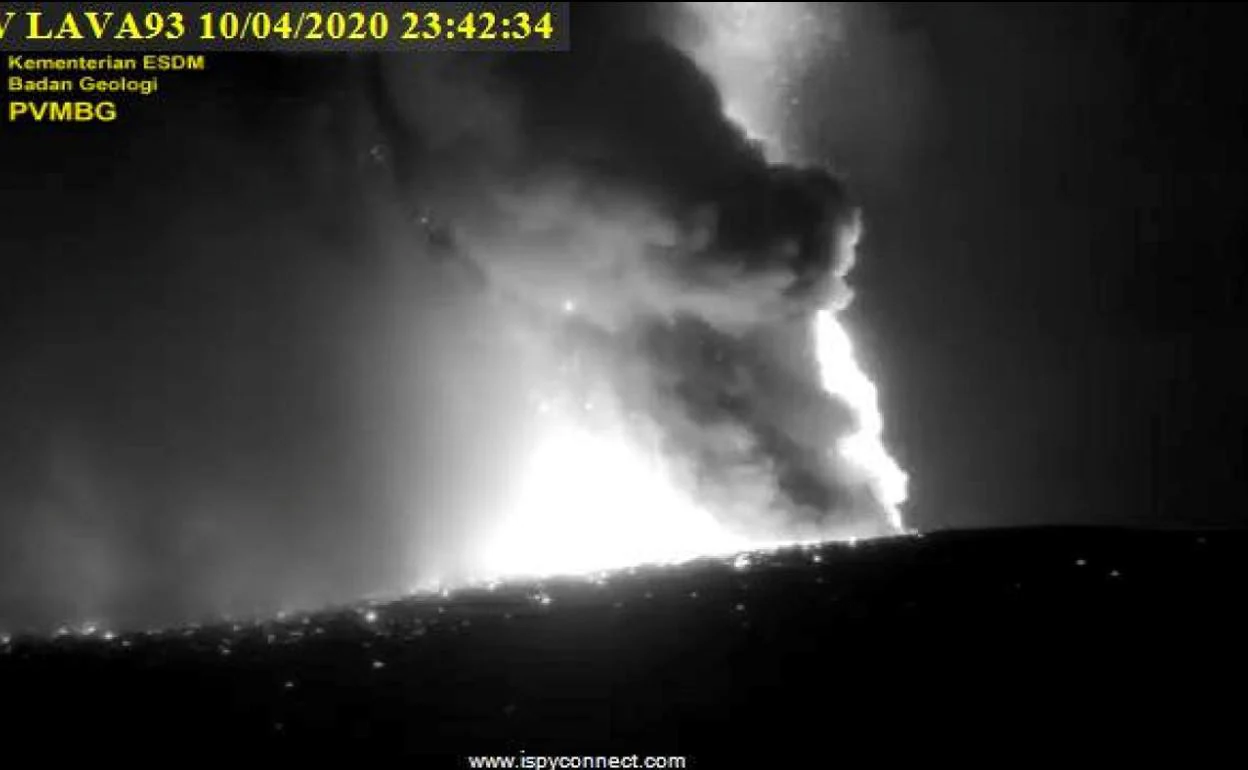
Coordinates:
[442,318]
[699,394]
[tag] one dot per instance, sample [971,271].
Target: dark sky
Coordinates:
[1054,279]
[213,334]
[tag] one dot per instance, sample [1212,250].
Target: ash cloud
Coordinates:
[286,350]
[612,184]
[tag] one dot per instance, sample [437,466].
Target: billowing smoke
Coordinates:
[413,318]
[667,272]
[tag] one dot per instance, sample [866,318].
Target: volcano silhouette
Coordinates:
[1073,634]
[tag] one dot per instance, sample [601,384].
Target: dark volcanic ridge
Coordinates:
[672,657]
[946,561]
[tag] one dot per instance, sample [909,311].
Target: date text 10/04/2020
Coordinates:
[359,25]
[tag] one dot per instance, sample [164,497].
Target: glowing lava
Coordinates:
[864,448]
[593,499]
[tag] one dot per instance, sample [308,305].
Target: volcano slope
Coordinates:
[962,642]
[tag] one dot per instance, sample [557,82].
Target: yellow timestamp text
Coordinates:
[175,26]
[376,25]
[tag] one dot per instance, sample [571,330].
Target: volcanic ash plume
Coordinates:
[424,317]
[682,382]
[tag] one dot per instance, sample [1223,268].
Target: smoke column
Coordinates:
[423,318]
[759,54]
[676,286]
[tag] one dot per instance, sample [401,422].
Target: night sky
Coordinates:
[216,340]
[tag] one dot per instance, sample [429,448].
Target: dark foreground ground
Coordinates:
[1074,645]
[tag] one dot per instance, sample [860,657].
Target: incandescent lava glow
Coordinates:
[863,449]
[593,499]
